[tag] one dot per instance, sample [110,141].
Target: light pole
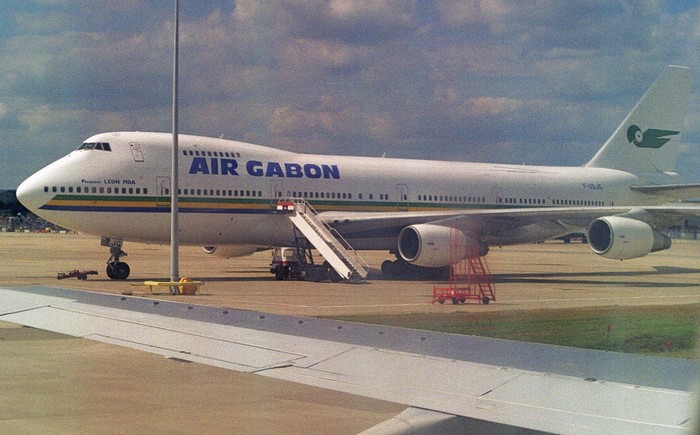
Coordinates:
[174,224]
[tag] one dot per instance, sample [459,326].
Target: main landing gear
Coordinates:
[403,270]
[116,269]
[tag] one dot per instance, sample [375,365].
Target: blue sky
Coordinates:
[538,82]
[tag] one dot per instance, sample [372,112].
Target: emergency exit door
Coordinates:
[162,191]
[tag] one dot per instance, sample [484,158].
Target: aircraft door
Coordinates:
[497,195]
[276,192]
[162,191]
[136,151]
[402,197]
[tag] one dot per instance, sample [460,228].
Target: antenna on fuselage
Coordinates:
[174,224]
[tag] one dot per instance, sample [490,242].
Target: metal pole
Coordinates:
[174,224]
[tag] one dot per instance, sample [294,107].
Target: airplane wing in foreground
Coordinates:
[449,382]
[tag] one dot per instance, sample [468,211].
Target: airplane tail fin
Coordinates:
[640,145]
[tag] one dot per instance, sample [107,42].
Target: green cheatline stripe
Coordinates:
[319,205]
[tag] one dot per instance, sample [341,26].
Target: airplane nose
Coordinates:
[31,193]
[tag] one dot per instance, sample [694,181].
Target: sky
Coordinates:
[535,82]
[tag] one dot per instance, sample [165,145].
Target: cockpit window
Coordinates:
[102,146]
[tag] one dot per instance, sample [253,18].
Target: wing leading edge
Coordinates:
[498,222]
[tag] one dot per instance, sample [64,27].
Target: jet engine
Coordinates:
[428,245]
[622,238]
[230,251]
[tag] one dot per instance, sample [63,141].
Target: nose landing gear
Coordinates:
[116,269]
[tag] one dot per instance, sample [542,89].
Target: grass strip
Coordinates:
[657,330]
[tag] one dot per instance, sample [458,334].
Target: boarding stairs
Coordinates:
[327,241]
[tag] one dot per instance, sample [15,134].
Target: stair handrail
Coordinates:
[355,256]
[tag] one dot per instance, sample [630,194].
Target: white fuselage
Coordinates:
[229,190]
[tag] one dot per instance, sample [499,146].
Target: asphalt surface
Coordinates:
[53,383]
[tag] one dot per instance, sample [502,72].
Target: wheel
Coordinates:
[441,301]
[333,276]
[388,267]
[119,271]
[455,301]
[110,271]
[279,274]
[462,300]
[485,300]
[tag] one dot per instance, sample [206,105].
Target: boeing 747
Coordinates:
[117,185]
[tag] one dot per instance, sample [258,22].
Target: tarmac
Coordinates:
[54,383]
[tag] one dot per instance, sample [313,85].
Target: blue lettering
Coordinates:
[331,171]
[199,166]
[254,168]
[274,170]
[228,166]
[312,171]
[293,170]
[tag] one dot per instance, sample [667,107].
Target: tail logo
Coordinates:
[651,138]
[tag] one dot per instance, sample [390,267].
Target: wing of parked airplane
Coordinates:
[449,383]
[501,226]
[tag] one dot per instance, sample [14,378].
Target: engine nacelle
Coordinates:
[622,238]
[230,251]
[428,245]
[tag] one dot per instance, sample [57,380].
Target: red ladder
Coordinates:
[470,278]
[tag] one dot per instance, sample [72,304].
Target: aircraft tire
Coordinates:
[110,271]
[389,268]
[118,271]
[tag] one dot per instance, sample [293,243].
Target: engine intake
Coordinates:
[622,238]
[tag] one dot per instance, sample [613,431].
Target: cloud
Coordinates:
[493,80]
[352,21]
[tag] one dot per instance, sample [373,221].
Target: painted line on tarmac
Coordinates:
[423,304]
[279,304]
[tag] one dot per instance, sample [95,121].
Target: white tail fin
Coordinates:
[639,145]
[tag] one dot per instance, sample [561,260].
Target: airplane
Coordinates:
[117,185]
